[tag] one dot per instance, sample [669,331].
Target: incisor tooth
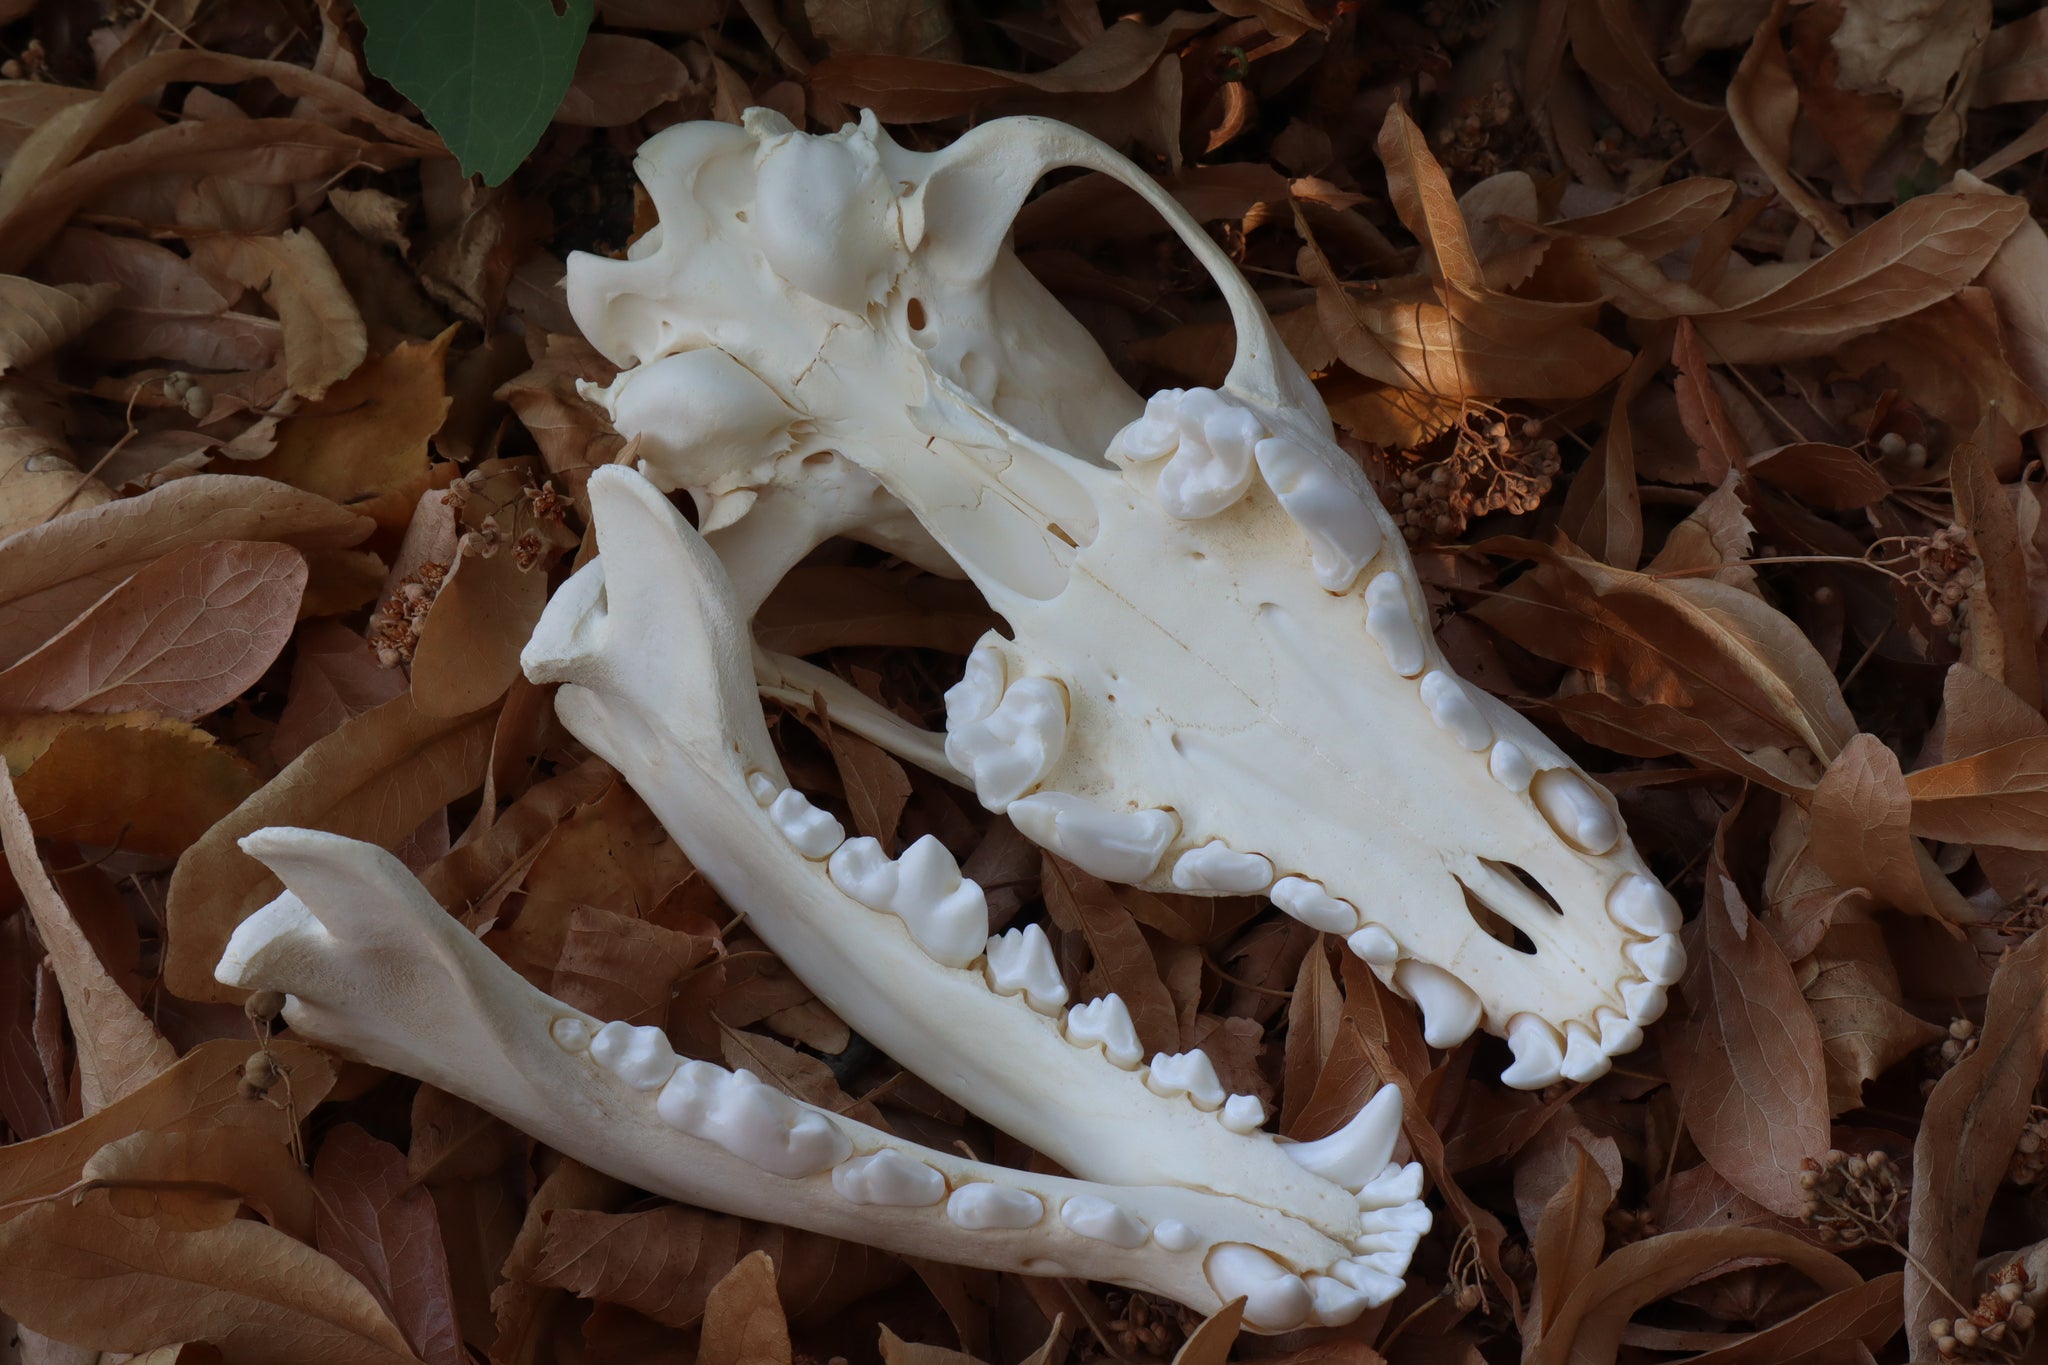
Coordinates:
[1010,750]
[1643,906]
[1662,959]
[1022,961]
[888,1177]
[1617,1034]
[1216,867]
[1539,1053]
[1275,1298]
[1380,1286]
[1450,1009]
[1454,711]
[1394,1185]
[984,1205]
[1097,1218]
[1644,1001]
[1336,1303]
[1510,765]
[1107,1022]
[1361,1149]
[1343,534]
[1115,845]
[1308,902]
[1577,812]
[1583,1058]
[810,831]
[1243,1114]
[1388,622]
[641,1057]
[1186,1073]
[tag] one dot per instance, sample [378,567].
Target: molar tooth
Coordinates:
[1662,959]
[1394,1185]
[1106,1021]
[570,1033]
[1388,622]
[1152,436]
[1511,765]
[1186,1073]
[641,1057]
[1118,846]
[1308,902]
[1641,905]
[1583,1058]
[750,1119]
[1021,960]
[1380,1287]
[860,869]
[1577,812]
[1175,1235]
[1343,534]
[1375,945]
[945,913]
[1010,750]
[1617,1034]
[1644,1001]
[763,788]
[1096,1218]
[888,1177]
[1243,1114]
[1336,1303]
[1360,1150]
[1275,1298]
[1212,465]
[1454,711]
[1450,1009]
[810,831]
[980,687]
[1217,867]
[1539,1053]
[985,1205]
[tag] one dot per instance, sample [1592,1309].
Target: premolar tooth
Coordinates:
[1356,1153]
[1308,902]
[641,1057]
[753,1121]
[1454,711]
[1375,945]
[1584,1060]
[1175,1235]
[1343,534]
[1243,1114]
[888,1177]
[1217,867]
[1118,846]
[860,869]
[1097,1218]
[810,831]
[1662,959]
[1450,1009]
[1275,1298]
[1617,1034]
[1644,1001]
[1511,765]
[1212,466]
[570,1033]
[1336,1303]
[1022,961]
[945,913]
[980,687]
[1186,1073]
[1010,750]
[1394,1185]
[1641,905]
[1379,1286]
[983,1205]
[1539,1053]
[763,788]
[1578,814]
[1388,622]
[1108,1022]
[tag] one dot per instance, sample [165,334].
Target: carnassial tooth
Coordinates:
[763,788]
[1318,909]
[810,831]
[1454,711]
[570,1033]
[1577,812]
[1388,622]
[1115,845]
[1358,1151]
[1243,1114]
[945,913]
[980,687]
[985,1205]
[860,869]
[1379,1287]
[1010,750]
[1336,1303]
[1106,1021]
[1217,867]
[1642,905]
[1539,1053]
[1022,961]
[1175,1235]
[1662,959]
[1644,1001]
[1212,466]
[1186,1073]
[1343,534]
[1511,765]
[1617,1034]
[888,1177]
[750,1119]
[1583,1058]
[1450,1009]
[1375,945]
[1275,1298]
[1394,1185]
[1097,1218]
[641,1057]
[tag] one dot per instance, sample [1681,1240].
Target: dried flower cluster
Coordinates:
[1850,1199]
[1497,463]
[1998,1328]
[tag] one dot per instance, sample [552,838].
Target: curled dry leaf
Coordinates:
[36,319]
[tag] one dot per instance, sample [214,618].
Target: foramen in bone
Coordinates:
[1219,678]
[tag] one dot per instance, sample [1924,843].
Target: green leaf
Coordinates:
[488,74]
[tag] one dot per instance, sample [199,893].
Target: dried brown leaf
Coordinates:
[1999,796]
[37,319]
[198,1178]
[1854,992]
[1763,104]
[1571,1234]
[143,782]
[620,79]
[382,1228]
[1862,813]
[743,1321]
[1123,960]
[1210,1343]
[324,338]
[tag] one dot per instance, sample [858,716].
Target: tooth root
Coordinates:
[1365,1274]
[1644,1001]
[1394,1185]
[1175,1235]
[972,698]
[753,1121]
[888,1177]
[1450,1009]
[1375,945]
[983,1205]
[1211,466]
[1662,959]
[1275,1298]
[860,869]
[1336,1303]
[1118,846]
[1108,1022]
[1021,961]
[810,831]
[1388,622]
[1617,1034]
[1187,1073]
[641,1057]
[1583,1058]
[1343,534]
[1217,868]
[1308,902]
[946,913]
[1641,905]
[1358,1151]
[763,788]
[1010,750]
[1577,812]
[570,1033]
[1511,765]
[1099,1220]
[1454,711]
[1243,1114]
[1539,1053]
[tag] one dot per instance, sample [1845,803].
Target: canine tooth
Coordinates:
[1578,814]
[1358,1151]
[860,869]
[1010,750]
[1662,959]
[1379,1287]
[979,689]
[1275,1298]
[641,1057]
[1583,1058]
[946,913]
[1510,765]
[1642,905]
[888,1177]
[987,1205]
[1343,534]
[1539,1053]
[1318,909]
[1617,1034]
[1186,1073]
[1174,1235]
[1644,1001]
[1217,867]
[1106,1021]
[763,788]
[1394,1185]
[810,831]
[1388,622]
[1336,1303]
[1021,961]
[1454,711]
[1450,1009]
[1212,466]
[1244,1114]
[1118,846]
[752,1120]
[570,1033]
[1375,945]
[1097,1218]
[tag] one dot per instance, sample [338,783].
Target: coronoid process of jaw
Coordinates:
[1219,678]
